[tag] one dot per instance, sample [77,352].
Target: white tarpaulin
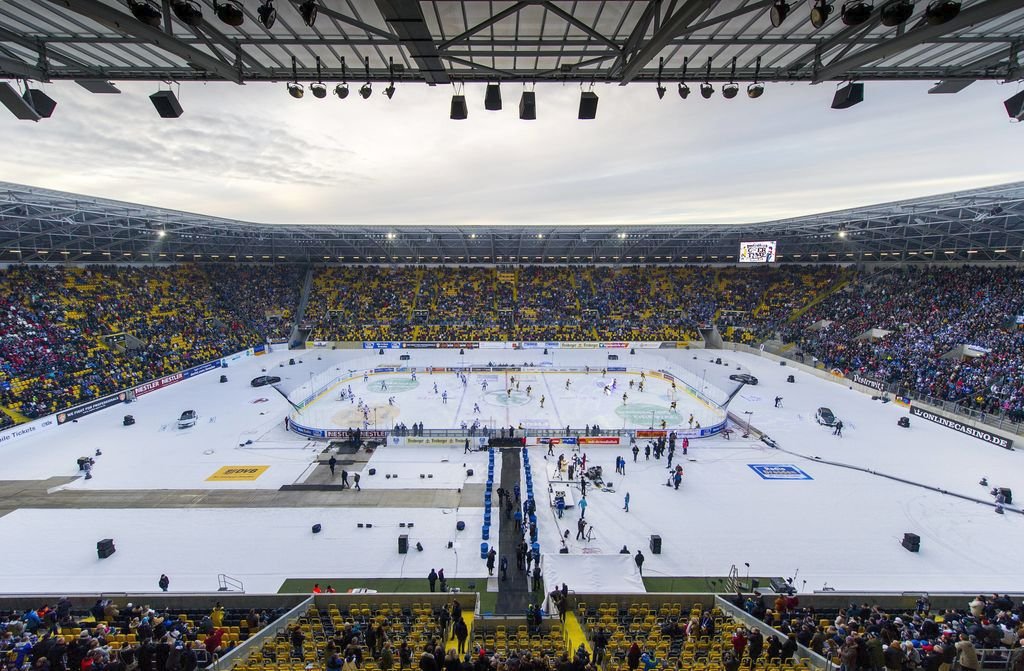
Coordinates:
[593,573]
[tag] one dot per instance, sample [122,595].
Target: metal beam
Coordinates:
[406,18]
[505,13]
[20,68]
[974,15]
[558,11]
[123,23]
[676,24]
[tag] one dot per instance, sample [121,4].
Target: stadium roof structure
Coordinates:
[452,41]
[39,225]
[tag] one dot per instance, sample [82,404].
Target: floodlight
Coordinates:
[661,91]
[267,14]
[707,90]
[755,90]
[820,13]
[684,90]
[779,12]
[492,97]
[390,91]
[730,90]
[941,11]
[188,12]
[295,89]
[146,11]
[229,12]
[365,90]
[896,12]
[856,12]
[308,11]
[341,90]
[319,89]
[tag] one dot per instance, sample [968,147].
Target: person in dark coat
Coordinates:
[331,464]
[461,634]
[432,579]
[639,559]
[789,648]
[755,644]
[633,657]
[164,582]
[490,561]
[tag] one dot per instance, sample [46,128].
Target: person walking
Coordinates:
[626,501]
[581,526]
[164,582]
[461,634]
[838,431]
[583,507]
[331,463]
[355,479]
[490,561]
[504,570]
[636,451]
[344,479]
[432,579]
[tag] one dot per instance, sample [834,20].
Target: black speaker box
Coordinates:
[655,544]
[316,528]
[790,379]
[469,472]
[403,544]
[528,106]
[613,357]
[459,109]
[1015,106]
[848,96]
[1008,493]
[105,548]
[166,104]
[904,422]
[911,542]
[403,357]
[42,103]
[588,105]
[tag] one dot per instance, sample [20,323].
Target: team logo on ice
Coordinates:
[779,472]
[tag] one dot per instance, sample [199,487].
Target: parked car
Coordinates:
[825,416]
[264,380]
[744,378]
[187,419]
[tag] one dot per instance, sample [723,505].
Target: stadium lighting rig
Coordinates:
[341,90]
[146,11]
[366,89]
[661,89]
[706,89]
[319,89]
[820,13]
[856,12]
[295,89]
[756,88]
[684,89]
[229,12]
[390,90]
[267,14]
[188,12]
[730,90]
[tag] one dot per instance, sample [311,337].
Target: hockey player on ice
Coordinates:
[483,385]
[607,390]
[444,397]
[567,383]
[476,408]
[391,400]
[542,401]
[624,397]
[435,387]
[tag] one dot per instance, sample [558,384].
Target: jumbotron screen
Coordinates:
[757,252]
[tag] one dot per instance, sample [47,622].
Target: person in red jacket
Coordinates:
[213,641]
[633,657]
[739,642]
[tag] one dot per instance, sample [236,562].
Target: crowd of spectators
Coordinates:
[107,637]
[928,312]
[56,324]
[869,638]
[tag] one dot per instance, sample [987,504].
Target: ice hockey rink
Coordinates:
[824,509]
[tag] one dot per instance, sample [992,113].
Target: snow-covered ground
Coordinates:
[841,527]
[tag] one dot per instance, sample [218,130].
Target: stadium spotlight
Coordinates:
[366,89]
[341,90]
[319,89]
[756,89]
[842,233]
[308,11]
[941,11]
[856,12]
[730,90]
[295,89]
[390,90]
[188,12]
[684,90]
[820,13]
[229,12]
[660,89]
[267,14]
[706,89]
[896,12]
[492,97]
[779,12]
[146,11]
